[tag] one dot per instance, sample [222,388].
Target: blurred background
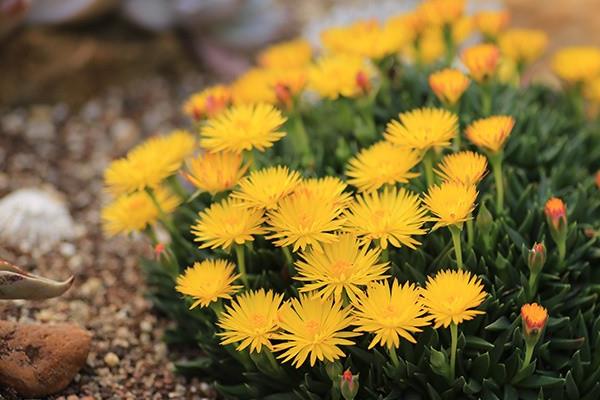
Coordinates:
[81,82]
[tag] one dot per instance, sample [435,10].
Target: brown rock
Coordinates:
[37,360]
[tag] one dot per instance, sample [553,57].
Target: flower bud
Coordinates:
[537,258]
[598,179]
[484,220]
[159,249]
[556,213]
[349,385]
[362,80]
[284,95]
[534,319]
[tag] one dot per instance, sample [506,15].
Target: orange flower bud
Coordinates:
[481,61]
[159,248]
[362,80]
[534,319]
[537,257]
[556,212]
[349,385]
[598,179]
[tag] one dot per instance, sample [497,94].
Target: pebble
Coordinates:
[111,359]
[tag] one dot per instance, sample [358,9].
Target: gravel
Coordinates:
[68,149]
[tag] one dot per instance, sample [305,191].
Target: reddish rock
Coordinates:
[38,360]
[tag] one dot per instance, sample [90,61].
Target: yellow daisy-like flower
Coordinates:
[392,216]
[208,103]
[412,20]
[382,163]
[577,64]
[441,12]
[430,48]
[291,54]
[449,85]
[226,223]
[462,28]
[451,203]
[243,128]
[366,39]
[329,189]
[313,329]
[491,23]
[534,318]
[216,172]
[252,87]
[592,90]
[251,320]
[338,75]
[451,296]
[208,281]
[304,219]
[481,60]
[288,83]
[150,163]
[342,267]
[390,313]
[465,167]
[490,133]
[134,212]
[523,46]
[423,129]
[264,188]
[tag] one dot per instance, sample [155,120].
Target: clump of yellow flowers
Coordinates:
[296,209]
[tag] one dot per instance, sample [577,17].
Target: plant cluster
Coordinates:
[378,223]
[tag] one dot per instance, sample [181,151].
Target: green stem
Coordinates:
[163,216]
[300,140]
[240,257]
[455,231]
[470,232]
[394,356]
[289,259]
[428,166]
[454,108]
[217,307]
[177,187]
[528,354]
[532,285]
[486,98]
[453,346]
[449,45]
[496,162]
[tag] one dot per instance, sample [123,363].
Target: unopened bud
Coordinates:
[362,80]
[349,385]
[283,95]
[556,213]
[484,220]
[537,258]
[534,319]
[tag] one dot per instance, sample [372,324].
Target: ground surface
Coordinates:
[69,149]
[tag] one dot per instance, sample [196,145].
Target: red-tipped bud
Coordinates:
[362,80]
[159,248]
[534,319]
[537,258]
[283,95]
[598,179]
[349,385]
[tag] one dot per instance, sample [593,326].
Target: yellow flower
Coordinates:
[148,164]
[208,281]
[291,54]
[382,163]
[451,203]
[441,12]
[134,212]
[577,64]
[451,296]
[304,219]
[534,318]
[391,312]
[251,320]
[342,267]
[462,29]
[313,328]
[339,75]
[592,90]
[253,86]
[366,39]
[287,83]
[449,85]
[430,48]
[328,189]
[413,22]
[393,216]
[491,23]
[264,188]
[226,223]
[216,172]
[523,46]
[208,102]
[481,60]
[243,128]
[490,133]
[423,129]
[464,167]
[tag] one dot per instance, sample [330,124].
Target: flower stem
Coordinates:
[300,140]
[240,257]
[528,354]
[496,162]
[428,166]
[394,356]
[561,245]
[449,45]
[486,99]
[532,285]
[453,346]
[163,216]
[455,231]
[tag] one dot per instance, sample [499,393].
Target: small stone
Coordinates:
[111,359]
[67,249]
[72,397]
[39,360]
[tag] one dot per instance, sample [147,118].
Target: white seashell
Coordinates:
[34,219]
